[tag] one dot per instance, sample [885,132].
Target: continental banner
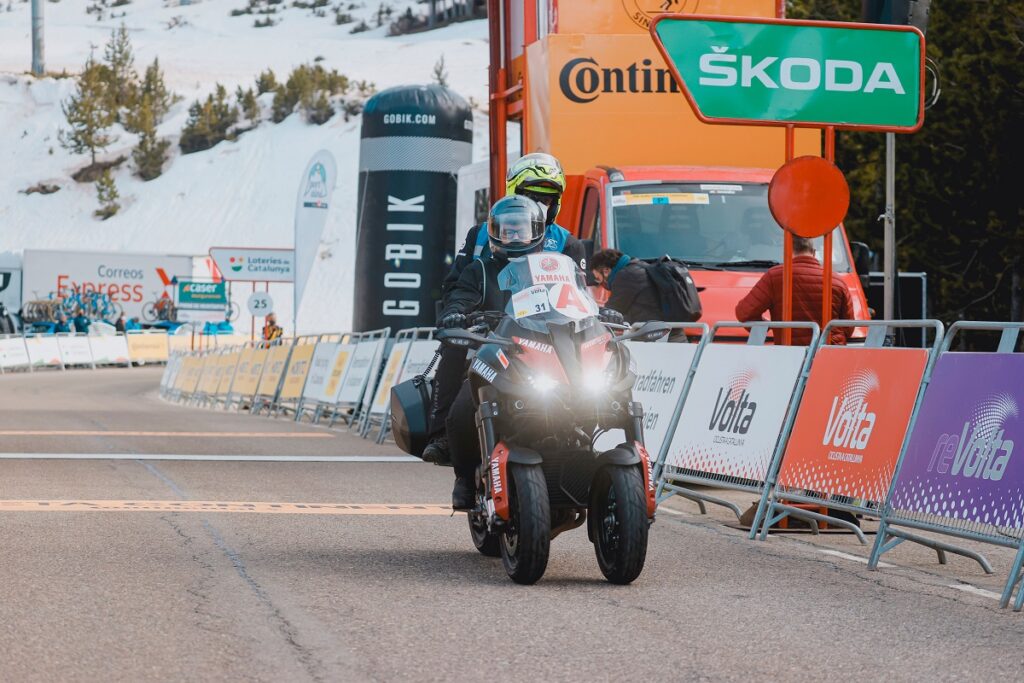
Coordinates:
[580,84]
[148,348]
[13,353]
[298,369]
[112,350]
[210,378]
[43,351]
[735,410]
[852,420]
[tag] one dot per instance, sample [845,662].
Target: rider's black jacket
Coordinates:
[477,288]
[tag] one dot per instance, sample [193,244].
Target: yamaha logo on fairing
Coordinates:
[583,80]
[484,370]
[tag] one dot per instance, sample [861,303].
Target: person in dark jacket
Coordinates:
[62,323]
[539,177]
[119,323]
[766,295]
[632,293]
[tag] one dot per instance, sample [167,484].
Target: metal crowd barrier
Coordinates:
[926,497]
[810,471]
[695,454]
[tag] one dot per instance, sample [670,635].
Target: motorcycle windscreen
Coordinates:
[547,288]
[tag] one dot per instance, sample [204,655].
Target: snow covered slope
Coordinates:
[239,193]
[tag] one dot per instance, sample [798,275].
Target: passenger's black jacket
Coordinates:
[477,288]
[632,293]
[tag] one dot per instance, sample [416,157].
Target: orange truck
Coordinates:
[587,84]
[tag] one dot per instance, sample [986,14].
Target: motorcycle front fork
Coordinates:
[485,415]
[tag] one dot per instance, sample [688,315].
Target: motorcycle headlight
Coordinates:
[543,383]
[597,382]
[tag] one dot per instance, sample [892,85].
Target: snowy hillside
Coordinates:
[240,193]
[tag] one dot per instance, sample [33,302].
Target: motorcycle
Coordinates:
[548,379]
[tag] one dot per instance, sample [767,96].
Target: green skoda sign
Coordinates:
[804,73]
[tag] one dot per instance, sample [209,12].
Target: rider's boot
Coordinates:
[437,451]
[464,494]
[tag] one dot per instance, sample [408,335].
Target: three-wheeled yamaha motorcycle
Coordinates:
[548,380]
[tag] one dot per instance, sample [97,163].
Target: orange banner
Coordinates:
[852,421]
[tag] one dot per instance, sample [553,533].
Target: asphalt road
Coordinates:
[119,567]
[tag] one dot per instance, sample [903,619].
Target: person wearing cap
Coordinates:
[537,176]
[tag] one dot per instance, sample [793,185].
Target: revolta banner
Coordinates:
[959,463]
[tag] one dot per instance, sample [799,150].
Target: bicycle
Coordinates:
[162,308]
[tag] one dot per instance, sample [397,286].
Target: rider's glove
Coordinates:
[453,320]
[610,315]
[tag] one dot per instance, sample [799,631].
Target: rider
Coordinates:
[538,176]
[515,227]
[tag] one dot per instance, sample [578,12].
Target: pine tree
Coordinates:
[266,82]
[440,75]
[160,98]
[249,105]
[208,122]
[120,61]
[87,114]
[151,153]
[106,193]
[320,110]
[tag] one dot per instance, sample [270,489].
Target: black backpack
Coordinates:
[677,292]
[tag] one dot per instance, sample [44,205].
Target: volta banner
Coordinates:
[960,461]
[852,421]
[734,412]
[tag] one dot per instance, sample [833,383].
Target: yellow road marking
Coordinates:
[97,432]
[402,509]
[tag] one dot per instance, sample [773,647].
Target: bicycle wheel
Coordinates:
[149,312]
[233,311]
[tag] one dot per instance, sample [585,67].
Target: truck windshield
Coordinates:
[713,224]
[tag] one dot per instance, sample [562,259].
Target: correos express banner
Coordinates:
[129,279]
[734,412]
[852,420]
[961,462]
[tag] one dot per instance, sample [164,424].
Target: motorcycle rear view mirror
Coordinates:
[648,332]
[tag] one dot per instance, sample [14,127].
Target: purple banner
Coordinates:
[962,462]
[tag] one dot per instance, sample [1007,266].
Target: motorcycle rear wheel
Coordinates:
[618,512]
[525,541]
[486,542]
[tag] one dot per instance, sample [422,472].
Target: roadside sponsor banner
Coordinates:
[311,209]
[229,365]
[109,350]
[43,350]
[298,369]
[734,412]
[129,279]
[147,347]
[210,378]
[247,374]
[74,350]
[320,367]
[661,371]
[192,371]
[852,421]
[254,265]
[13,353]
[418,358]
[960,461]
[170,371]
[364,363]
[339,371]
[277,359]
[392,371]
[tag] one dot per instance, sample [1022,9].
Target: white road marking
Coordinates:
[229,458]
[417,509]
[670,511]
[974,590]
[847,556]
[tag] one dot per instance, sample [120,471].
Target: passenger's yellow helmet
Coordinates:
[540,177]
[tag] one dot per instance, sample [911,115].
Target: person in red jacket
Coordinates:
[766,295]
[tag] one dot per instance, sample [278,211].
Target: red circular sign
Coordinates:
[809,196]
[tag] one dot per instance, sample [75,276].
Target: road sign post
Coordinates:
[810,74]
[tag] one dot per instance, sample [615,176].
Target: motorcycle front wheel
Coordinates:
[486,542]
[618,511]
[526,539]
